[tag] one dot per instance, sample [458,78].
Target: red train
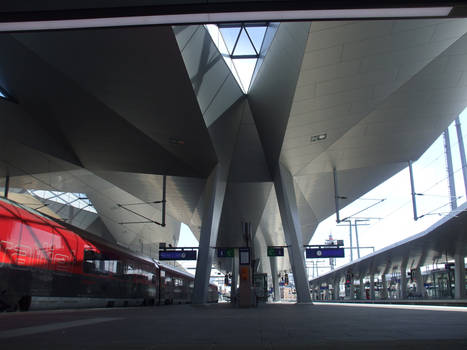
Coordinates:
[46,264]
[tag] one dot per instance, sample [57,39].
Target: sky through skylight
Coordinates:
[240,45]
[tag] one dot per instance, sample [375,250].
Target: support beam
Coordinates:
[384,282]
[372,286]
[460,140]
[336,195]
[459,276]
[336,288]
[419,281]
[452,184]
[362,288]
[412,187]
[233,287]
[285,192]
[7,186]
[385,294]
[214,199]
[403,283]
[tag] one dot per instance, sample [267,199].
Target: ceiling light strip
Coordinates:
[227,17]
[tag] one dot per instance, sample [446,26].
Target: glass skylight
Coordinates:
[241,46]
[2,95]
[77,200]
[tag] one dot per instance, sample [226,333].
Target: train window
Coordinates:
[100,266]
[178,282]
[168,280]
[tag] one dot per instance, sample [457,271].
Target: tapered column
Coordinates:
[285,192]
[214,199]
[459,277]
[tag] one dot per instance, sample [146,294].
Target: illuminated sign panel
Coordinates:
[225,252]
[316,253]
[275,251]
[177,255]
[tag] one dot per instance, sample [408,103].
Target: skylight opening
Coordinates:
[241,46]
[77,200]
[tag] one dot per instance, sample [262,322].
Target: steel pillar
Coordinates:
[214,199]
[459,277]
[460,140]
[412,187]
[285,192]
[452,185]
[233,287]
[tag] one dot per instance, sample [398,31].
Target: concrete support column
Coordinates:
[275,279]
[336,287]
[214,199]
[372,286]
[403,283]
[362,289]
[384,282]
[459,276]
[285,192]
[352,290]
[419,280]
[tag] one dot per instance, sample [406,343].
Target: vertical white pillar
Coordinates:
[419,280]
[459,276]
[362,288]
[275,279]
[336,286]
[285,192]
[384,282]
[214,199]
[233,287]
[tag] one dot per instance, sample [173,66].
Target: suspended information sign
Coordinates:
[225,252]
[322,252]
[275,251]
[177,255]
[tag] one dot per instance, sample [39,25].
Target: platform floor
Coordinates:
[270,326]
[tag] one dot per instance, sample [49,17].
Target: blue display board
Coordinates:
[316,253]
[177,255]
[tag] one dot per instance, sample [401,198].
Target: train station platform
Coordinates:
[435,302]
[220,326]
